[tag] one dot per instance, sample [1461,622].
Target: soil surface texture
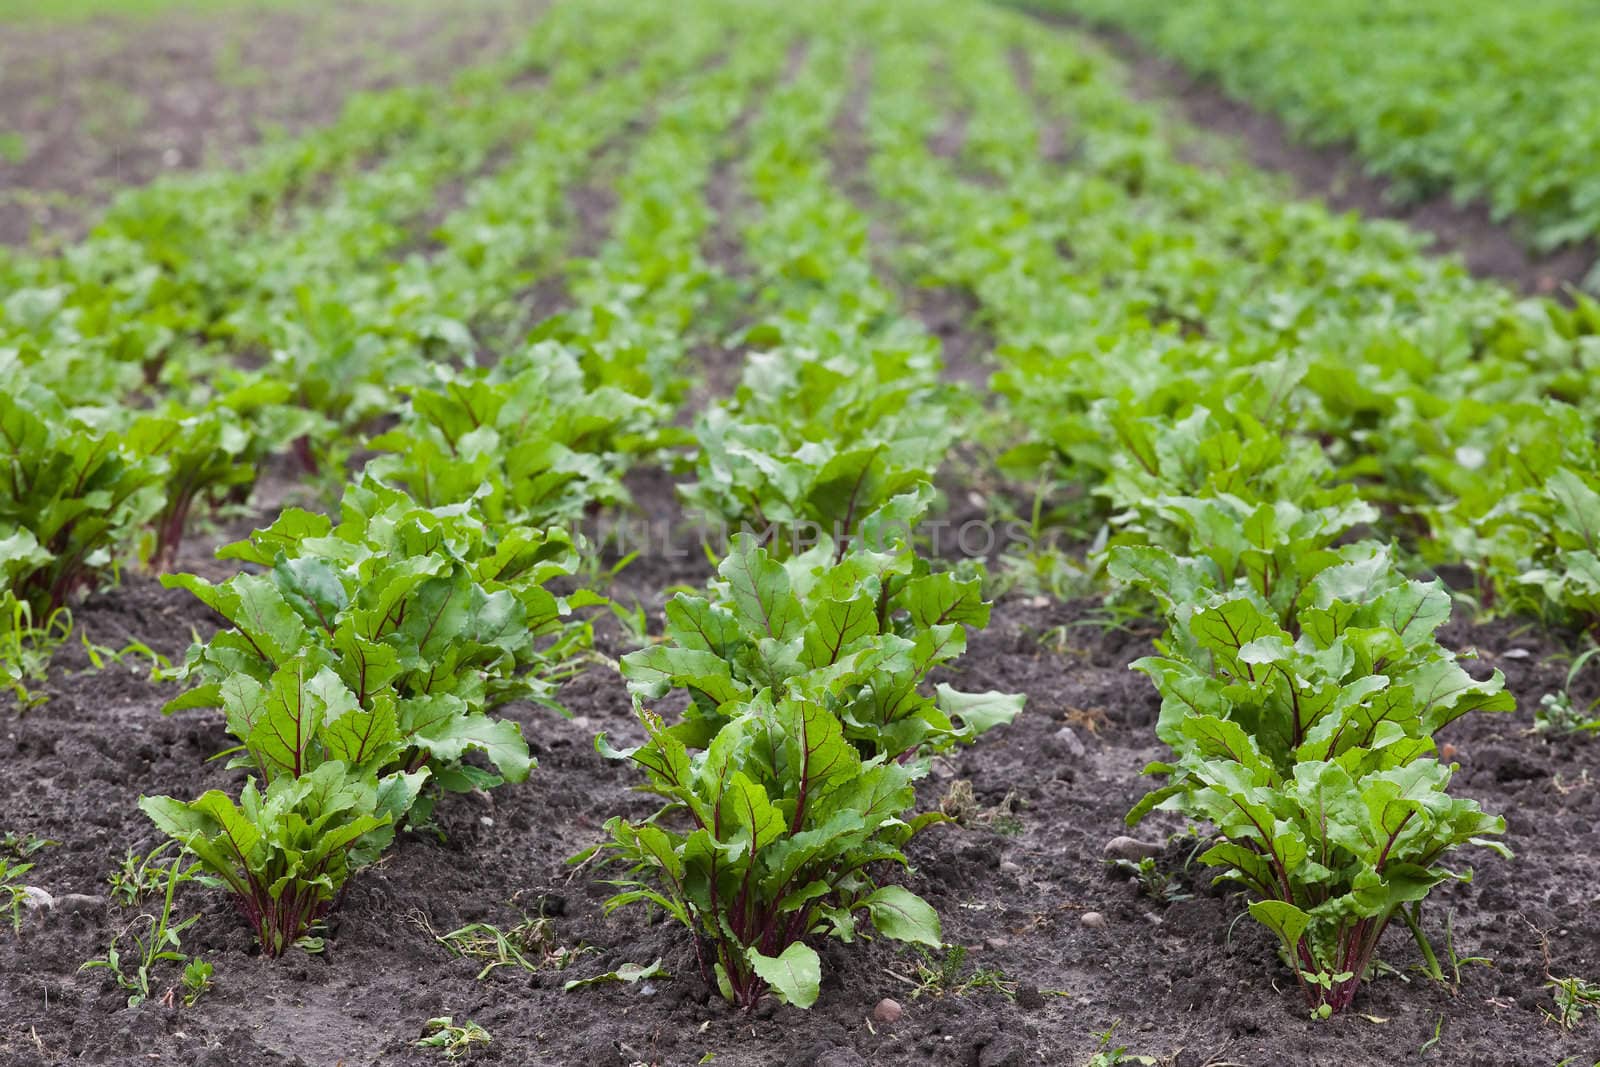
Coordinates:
[1015,881]
[89,109]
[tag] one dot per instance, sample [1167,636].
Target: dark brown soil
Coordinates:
[1335,175]
[112,103]
[1012,886]
[950,313]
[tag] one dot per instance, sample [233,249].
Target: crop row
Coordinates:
[1306,748]
[1491,102]
[1269,421]
[365,653]
[1160,326]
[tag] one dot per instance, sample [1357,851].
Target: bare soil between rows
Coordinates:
[1335,174]
[91,109]
[1183,980]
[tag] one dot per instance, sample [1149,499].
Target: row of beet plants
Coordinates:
[1301,676]
[788,782]
[367,655]
[1129,289]
[213,322]
[1302,686]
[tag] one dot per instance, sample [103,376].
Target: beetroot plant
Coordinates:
[285,853]
[212,452]
[857,634]
[329,805]
[1301,690]
[789,782]
[529,441]
[423,620]
[769,836]
[72,492]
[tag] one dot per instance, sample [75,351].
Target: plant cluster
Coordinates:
[1264,419]
[160,942]
[527,442]
[840,409]
[789,781]
[1245,415]
[857,633]
[16,862]
[455,1040]
[1468,103]
[813,445]
[166,360]
[1219,341]
[1302,727]
[361,665]
[791,773]
[70,493]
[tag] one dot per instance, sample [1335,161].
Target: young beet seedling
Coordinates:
[286,853]
[790,781]
[781,818]
[162,945]
[455,1040]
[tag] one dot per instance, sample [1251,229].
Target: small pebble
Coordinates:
[1008,867]
[1065,742]
[888,1011]
[485,820]
[1131,849]
[1093,920]
[78,903]
[36,899]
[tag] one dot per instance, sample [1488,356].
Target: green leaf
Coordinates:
[979,712]
[750,814]
[759,587]
[795,975]
[1283,919]
[501,740]
[901,914]
[284,731]
[628,973]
